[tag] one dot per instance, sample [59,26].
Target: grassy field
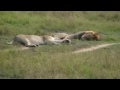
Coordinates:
[57,61]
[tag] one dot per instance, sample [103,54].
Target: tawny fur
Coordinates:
[87,34]
[90,36]
[59,35]
[35,40]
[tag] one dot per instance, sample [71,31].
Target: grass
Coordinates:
[56,61]
[103,63]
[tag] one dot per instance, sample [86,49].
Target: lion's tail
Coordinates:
[10,42]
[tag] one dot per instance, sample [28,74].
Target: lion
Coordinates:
[90,36]
[35,40]
[63,35]
[84,34]
[59,36]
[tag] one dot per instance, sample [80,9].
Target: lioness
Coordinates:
[34,40]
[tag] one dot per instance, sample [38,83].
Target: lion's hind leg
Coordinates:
[27,43]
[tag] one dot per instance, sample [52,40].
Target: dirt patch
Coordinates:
[92,48]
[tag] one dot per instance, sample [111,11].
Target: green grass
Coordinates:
[39,63]
[56,61]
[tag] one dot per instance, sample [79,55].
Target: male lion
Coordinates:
[90,36]
[59,36]
[35,40]
[84,34]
